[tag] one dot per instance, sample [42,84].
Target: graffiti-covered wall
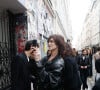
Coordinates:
[21,32]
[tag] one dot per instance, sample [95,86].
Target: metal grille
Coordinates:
[5,50]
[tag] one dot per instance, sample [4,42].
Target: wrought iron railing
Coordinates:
[5,50]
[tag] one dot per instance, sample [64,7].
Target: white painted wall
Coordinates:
[92,26]
[61,7]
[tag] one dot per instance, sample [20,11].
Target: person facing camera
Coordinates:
[84,67]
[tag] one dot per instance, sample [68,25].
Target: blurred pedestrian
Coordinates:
[20,72]
[72,80]
[97,83]
[97,54]
[96,58]
[84,66]
[90,57]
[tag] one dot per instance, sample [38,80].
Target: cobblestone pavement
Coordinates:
[90,83]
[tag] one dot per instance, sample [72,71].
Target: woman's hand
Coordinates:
[36,54]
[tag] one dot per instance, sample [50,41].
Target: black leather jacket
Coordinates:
[50,73]
[84,62]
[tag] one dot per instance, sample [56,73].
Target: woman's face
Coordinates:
[52,45]
[84,52]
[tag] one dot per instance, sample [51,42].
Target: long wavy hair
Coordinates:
[68,51]
[60,42]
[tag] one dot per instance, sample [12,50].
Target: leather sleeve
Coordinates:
[52,77]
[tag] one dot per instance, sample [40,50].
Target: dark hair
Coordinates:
[68,50]
[59,41]
[85,50]
[74,52]
[30,43]
[48,53]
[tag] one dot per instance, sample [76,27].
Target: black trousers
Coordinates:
[84,75]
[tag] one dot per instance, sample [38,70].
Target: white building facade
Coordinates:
[62,22]
[91,37]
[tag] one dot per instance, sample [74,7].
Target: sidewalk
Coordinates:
[91,81]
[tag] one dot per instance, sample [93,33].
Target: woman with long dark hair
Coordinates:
[72,79]
[50,69]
